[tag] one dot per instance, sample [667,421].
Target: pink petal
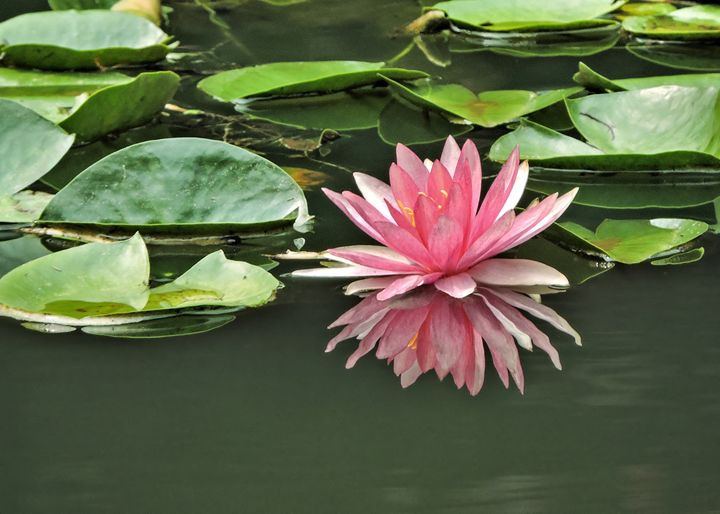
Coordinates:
[470,163]
[449,331]
[425,350]
[344,271]
[412,164]
[445,242]
[405,284]
[404,243]
[376,192]
[368,284]
[378,257]
[363,310]
[516,273]
[523,340]
[368,342]
[457,286]
[450,154]
[426,215]
[357,329]
[404,188]
[486,241]
[476,371]
[410,376]
[439,184]
[403,361]
[352,214]
[499,192]
[401,332]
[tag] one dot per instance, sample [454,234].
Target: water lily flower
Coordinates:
[433,230]
[428,329]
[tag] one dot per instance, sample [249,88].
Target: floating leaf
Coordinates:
[644,9]
[338,111]
[487,109]
[67,282]
[527,15]
[294,78]
[630,241]
[591,79]
[411,125]
[181,184]
[650,121]
[30,146]
[63,40]
[688,257]
[23,207]
[158,328]
[685,55]
[696,22]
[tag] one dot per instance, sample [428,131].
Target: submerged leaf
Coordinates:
[181,184]
[688,257]
[410,125]
[30,146]
[23,207]
[293,78]
[158,328]
[63,40]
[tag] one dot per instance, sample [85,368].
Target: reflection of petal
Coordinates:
[430,330]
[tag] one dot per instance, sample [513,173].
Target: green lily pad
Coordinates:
[160,328]
[62,40]
[180,185]
[23,207]
[338,111]
[90,104]
[630,241]
[528,15]
[628,190]
[411,125]
[644,9]
[696,22]
[590,79]
[295,78]
[688,257]
[487,109]
[67,281]
[650,121]
[111,279]
[30,146]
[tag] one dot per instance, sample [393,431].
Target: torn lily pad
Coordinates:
[180,185]
[696,22]
[528,15]
[90,105]
[90,39]
[30,146]
[486,109]
[296,78]
[630,241]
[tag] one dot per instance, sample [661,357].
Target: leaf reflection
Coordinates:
[430,330]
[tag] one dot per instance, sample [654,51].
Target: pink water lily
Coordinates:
[429,330]
[433,230]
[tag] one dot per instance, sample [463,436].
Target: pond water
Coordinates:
[255,417]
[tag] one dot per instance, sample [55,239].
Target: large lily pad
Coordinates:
[89,39]
[590,79]
[30,146]
[696,22]
[527,15]
[90,105]
[294,78]
[650,121]
[181,184]
[487,109]
[631,241]
[100,279]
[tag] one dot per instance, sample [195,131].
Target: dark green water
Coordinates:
[256,418]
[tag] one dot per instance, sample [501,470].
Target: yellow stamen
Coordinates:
[413,342]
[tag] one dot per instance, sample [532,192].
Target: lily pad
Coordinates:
[62,40]
[630,241]
[650,121]
[180,185]
[90,104]
[338,111]
[295,78]
[696,22]
[98,280]
[160,328]
[23,207]
[413,125]
[684,55]
[688,257]
[30,146]
[590,79]
[528,15]
[487,109]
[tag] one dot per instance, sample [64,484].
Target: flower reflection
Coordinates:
[428,329]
